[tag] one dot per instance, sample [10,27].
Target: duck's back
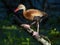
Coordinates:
[29,14]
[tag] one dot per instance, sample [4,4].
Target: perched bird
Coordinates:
[31,14]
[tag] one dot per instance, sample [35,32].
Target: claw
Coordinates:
[35,33]
[27,26]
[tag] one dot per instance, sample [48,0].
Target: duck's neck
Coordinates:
[24,10]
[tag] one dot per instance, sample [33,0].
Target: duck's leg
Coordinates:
[33,22]
[37,18]
[38,26]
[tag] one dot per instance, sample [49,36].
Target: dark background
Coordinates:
[10,34]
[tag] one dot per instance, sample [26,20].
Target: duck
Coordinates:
[31,14]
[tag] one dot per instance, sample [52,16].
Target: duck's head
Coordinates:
[20,7]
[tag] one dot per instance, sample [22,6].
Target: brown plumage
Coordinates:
[30,13]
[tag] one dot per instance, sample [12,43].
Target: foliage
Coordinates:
[10,34]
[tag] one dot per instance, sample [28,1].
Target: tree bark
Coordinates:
[38,37]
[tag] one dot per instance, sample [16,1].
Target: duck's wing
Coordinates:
[29,14]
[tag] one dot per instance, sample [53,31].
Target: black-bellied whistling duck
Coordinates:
[30,14]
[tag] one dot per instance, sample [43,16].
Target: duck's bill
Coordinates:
[16,10]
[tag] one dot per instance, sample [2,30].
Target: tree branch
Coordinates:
[37,36]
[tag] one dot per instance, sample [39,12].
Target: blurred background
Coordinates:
[11,34]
